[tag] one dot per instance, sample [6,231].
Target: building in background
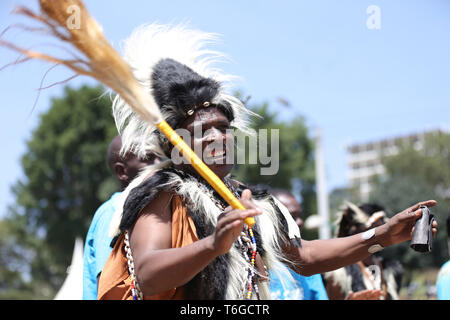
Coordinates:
[364,159]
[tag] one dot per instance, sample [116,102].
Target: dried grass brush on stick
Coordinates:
[101,61]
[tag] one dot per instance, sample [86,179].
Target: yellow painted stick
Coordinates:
[203,169]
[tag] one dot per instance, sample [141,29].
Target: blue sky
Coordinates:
[357,84]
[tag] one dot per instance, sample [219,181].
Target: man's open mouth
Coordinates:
[215,156]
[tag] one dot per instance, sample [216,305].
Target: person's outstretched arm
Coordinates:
[320,256]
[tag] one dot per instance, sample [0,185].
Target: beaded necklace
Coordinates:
[135,290]
[247,244]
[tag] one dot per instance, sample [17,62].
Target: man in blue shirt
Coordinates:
[97,246]
[443,278]
[303,288]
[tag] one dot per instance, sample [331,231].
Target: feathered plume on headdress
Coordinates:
[172,63]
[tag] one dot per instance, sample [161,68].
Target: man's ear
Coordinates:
[120,171]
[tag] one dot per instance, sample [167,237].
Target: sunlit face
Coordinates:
[209,131]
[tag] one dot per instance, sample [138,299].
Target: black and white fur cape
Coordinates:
[351,219]
[351,278]
[225,277]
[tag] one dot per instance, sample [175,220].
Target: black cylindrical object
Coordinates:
[422,238]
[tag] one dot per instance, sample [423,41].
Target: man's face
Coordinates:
[293,206]
[209,131]
[133,164]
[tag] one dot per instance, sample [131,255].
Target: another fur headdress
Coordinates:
[171,62]
[353,219]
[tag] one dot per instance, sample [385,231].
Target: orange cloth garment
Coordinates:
[115,282]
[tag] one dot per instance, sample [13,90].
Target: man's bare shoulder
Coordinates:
[160,205]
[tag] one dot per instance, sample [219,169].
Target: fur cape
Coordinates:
[351,278]
[226,276]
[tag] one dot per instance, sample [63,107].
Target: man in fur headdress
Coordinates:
[176,238]
[372,278]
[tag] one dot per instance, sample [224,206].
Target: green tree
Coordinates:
[12,285]
[296,159]
[415,174]
[66,179]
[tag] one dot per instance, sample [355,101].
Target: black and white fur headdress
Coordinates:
[353,219]
[172,63]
